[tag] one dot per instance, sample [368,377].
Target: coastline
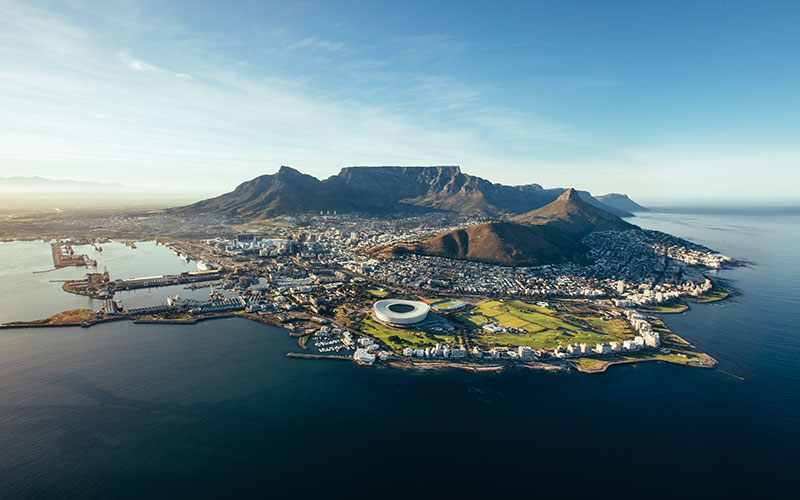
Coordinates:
[676,350]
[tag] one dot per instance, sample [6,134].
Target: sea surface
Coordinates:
[216,409]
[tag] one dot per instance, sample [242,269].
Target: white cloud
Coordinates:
[136,64]
[221,120]
[315,43]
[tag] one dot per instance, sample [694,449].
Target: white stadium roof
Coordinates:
[400,312]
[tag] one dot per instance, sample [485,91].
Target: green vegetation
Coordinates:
[674,350]
[714,295]
[676,307]
[471,320]
[677,351]
[444,304]
[379,293]
[546,328]
[70,317]
[397,339]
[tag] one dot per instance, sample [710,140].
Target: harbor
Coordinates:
[65,256]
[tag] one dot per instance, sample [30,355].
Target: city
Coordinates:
[317,276]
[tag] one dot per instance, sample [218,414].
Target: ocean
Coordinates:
[217,410]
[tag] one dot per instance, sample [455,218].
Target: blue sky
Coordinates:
[656,99]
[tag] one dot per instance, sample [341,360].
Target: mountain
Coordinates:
[287,191]
[550,234]
[573,216]
[45,185]
[498,242]
[380,190]
[621,202]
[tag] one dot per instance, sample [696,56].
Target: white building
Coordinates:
[400,312]
[364,357]
[602,349]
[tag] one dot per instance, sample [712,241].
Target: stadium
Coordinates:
[400,312]
[448,306]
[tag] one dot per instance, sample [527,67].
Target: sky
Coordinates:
[655,99]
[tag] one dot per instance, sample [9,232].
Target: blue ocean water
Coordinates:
[217,410]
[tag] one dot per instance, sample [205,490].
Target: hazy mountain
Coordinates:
[43,185]
[549,234]
[621,202]
[19,194]
[380,190]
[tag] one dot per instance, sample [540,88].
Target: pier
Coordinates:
[65,256]
[317,356]
[157,281]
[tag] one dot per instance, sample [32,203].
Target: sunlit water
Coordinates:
[217,410]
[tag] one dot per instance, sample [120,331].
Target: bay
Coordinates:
[217,410]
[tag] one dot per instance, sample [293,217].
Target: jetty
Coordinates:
[65,256]
[302,355]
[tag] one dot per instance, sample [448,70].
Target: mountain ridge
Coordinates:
[380,190]
[621,201]
[551,234]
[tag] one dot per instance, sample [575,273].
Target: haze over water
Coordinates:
[216,409]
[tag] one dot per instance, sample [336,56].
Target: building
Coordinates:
[448,306]
[400,312]
[364,357]
[602,349]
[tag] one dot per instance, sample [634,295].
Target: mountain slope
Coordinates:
[573,216]
[378,190]
[550,234]
[621,202]
[498,242]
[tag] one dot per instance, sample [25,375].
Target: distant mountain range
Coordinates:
[550,234]
[621,202]
[382,190]
[45,185]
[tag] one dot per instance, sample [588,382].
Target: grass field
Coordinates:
[713,296]
[677,307]
[377,293]
[546,328]
[446,304]
[397,339]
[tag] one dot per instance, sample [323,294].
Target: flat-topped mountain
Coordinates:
[550,234]
[381,190]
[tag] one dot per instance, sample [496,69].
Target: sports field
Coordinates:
[542,328]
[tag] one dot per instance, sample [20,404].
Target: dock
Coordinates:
[317,356]
[65,256]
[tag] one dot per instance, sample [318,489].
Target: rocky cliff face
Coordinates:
[379,190]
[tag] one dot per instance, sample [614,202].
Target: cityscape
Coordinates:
[317,275]
[333,249]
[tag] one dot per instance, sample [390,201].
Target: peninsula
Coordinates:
[416,268]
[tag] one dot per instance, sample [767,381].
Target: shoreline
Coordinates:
[608,364]
[589,365]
